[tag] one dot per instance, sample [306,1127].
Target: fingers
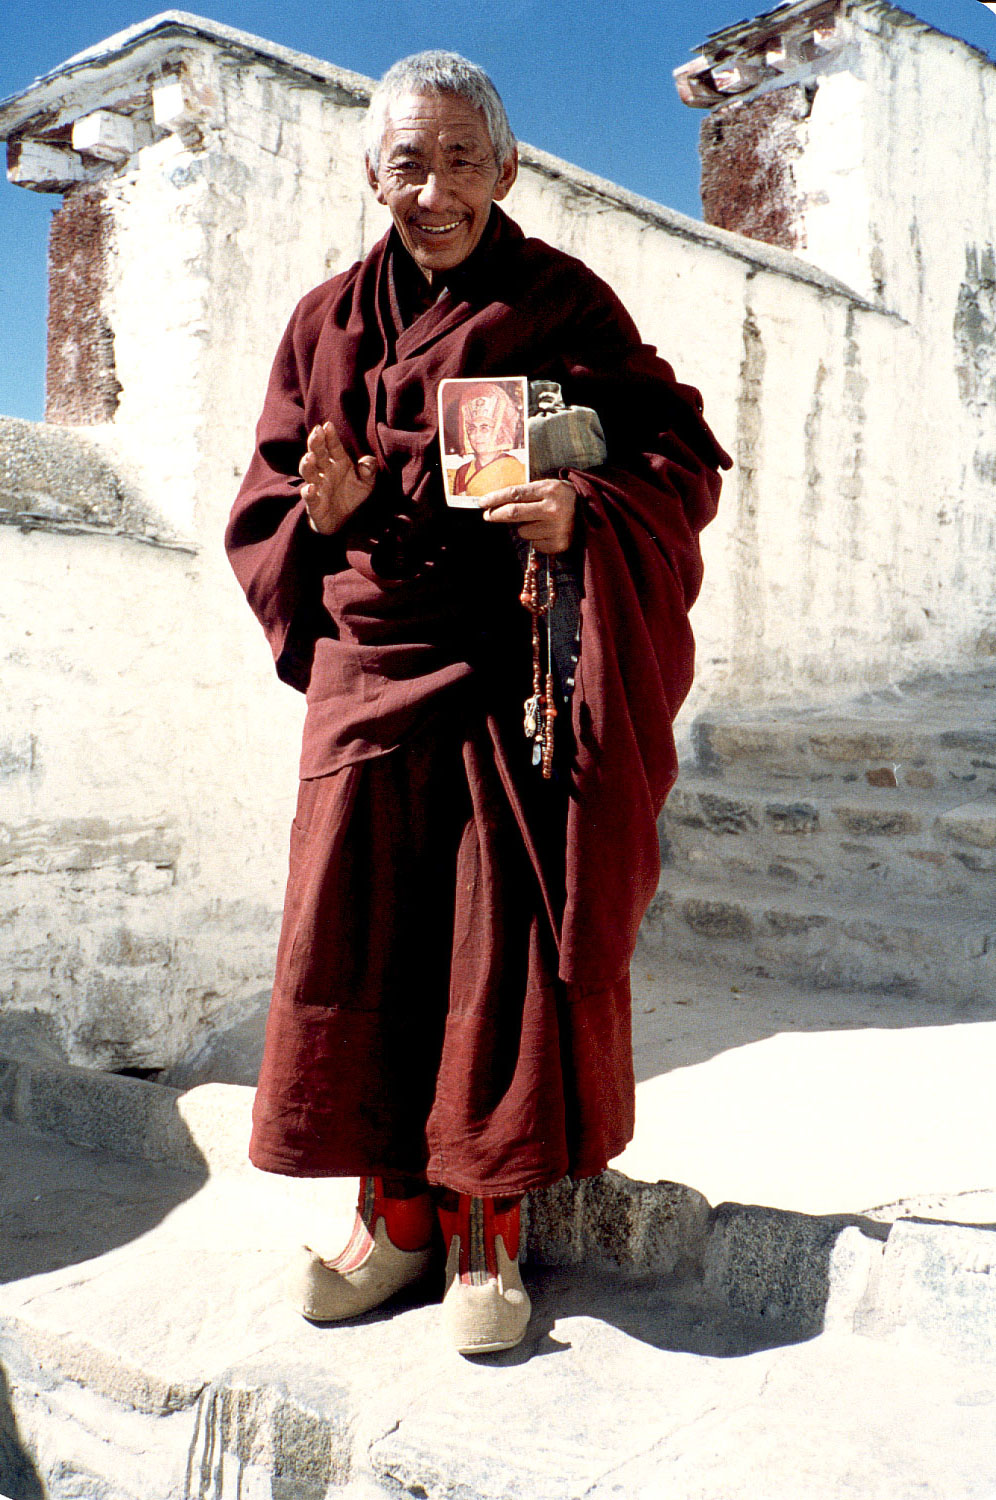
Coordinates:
[324,452]
[542,511]
[538,497]
[333,486]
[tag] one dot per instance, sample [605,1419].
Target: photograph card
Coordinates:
[483,436]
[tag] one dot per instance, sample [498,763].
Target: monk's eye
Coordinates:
[407,167]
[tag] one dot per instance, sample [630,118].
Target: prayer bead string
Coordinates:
[540,710]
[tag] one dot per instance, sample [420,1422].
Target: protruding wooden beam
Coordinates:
[105,135]
[173,109]
[44,168]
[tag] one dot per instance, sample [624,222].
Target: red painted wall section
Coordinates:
[747,150]
[82,388]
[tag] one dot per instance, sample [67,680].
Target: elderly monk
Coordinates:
[451,1011]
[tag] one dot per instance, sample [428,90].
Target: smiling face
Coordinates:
[438,175]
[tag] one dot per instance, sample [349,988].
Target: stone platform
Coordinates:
[738,1351]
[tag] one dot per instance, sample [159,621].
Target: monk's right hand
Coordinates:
[333,485]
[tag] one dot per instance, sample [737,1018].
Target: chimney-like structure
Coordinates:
[849,132]
[758,79]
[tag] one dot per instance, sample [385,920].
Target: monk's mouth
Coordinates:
[439,229]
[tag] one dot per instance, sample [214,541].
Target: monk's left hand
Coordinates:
[542,512]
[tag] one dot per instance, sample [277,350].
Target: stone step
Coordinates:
[847,840]
[815,938]
[923,737]
[146,1352]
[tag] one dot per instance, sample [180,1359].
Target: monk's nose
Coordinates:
[432,193]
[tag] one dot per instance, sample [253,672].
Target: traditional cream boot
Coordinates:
[485,1307]
[390,1247]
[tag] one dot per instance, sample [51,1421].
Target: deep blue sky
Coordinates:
[589,80]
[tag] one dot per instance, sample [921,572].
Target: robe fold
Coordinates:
[451,994]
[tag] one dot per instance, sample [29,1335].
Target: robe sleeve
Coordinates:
[642,514]
[279,561]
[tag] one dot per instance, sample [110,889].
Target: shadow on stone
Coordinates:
[656,1261]
[19,1479]
[671,1314]
[61,1206]
[683,1016]
[229,1054]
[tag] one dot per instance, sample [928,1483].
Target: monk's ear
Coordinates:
[374,181]
[508,174]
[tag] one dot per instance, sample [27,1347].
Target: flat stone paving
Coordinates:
[148,1355]
[815,1101]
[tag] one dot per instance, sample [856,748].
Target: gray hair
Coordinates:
[437,73]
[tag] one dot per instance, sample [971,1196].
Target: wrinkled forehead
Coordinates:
[424,119]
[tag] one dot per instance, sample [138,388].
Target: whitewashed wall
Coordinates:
[855,544]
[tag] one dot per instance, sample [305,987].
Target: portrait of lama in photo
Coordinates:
[484,437]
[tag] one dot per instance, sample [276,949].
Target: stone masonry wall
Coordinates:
[109,934]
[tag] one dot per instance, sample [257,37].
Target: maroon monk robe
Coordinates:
[452,988]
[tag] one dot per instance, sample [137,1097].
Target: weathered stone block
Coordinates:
[878,822]
[127,947]
[104,1113]
[772,1264]
[855,1258]
[611,1220]
[978,864]
[858,745]
[792,817]
[721,745]
[726,814]
[718,919]
[939,1282]
[608,1207]
[671,1228]
[794,924]
[8,1088]
[973,823]
[683,808]
[123,1019]
[31,1036]
[551,1230]
[18,755]
[975,741]
[296,1439]
[86,844]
